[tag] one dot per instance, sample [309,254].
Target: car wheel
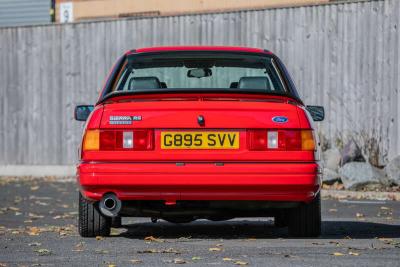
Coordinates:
[280,219]
[91,222]
[116,222]
[305,220]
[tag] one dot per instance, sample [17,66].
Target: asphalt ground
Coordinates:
[38,228]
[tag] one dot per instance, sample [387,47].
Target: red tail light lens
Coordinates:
[257,139]
[107,140]
[126,140]
[291,140]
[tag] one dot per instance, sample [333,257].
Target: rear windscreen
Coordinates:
[189,71]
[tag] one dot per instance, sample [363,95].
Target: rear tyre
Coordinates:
[280,219]
[91,222]
[116,222]
[305,220]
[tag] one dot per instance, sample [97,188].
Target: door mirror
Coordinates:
[316,112]
[82,112]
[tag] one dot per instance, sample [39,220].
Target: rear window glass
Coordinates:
[194,71]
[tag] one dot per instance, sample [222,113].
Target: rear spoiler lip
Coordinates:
[195,91]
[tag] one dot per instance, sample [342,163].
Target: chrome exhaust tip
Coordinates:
[110,205]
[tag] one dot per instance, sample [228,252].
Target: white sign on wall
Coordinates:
[66,12]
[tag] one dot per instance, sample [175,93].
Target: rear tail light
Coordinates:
[272,137]
[127,139]
[301,140]
[91,140]
[107,140]
[307,140]
[257,139]
[119,140]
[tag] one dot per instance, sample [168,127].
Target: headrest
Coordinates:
[234,85]
[260,82]
[144,83]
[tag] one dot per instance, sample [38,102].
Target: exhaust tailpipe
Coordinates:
[110,205]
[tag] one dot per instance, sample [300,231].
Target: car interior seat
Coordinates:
[234,85]
[255,82]
[144,83]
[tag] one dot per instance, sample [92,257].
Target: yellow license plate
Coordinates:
[200,140]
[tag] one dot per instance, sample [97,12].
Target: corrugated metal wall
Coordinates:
[342,56]
[24,12]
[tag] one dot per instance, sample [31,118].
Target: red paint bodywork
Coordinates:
[205,174]
[200,181]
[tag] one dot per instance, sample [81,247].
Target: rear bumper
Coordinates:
[200,181]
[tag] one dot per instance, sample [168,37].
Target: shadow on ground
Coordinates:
[257,229]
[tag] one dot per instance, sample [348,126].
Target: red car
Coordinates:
[186,133]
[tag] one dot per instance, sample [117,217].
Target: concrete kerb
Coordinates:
[37,170]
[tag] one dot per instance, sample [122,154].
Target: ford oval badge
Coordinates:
[280,119]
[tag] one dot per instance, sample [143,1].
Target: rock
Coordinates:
[331,159]
[351,152]
[392,170]
[330,176]
[354,175]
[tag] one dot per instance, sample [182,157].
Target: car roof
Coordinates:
[198,48]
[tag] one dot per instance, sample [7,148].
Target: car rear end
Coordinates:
[161,144]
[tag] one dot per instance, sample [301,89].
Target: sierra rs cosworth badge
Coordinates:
[124,119]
